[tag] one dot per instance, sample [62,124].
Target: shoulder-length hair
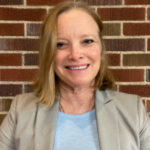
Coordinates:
[46,82]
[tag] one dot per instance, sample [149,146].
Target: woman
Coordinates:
[72,82]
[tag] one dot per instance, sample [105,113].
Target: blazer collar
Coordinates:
[45,125]
[46,119]
[107,121]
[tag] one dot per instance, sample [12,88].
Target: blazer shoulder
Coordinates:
[122,96]
[26,102]
[126,102]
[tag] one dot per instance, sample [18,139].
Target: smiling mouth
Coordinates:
[78,68]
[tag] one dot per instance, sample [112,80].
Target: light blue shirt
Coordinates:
[76,132]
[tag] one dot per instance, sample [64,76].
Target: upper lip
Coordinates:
[77,65]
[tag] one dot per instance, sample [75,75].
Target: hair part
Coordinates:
[46,82]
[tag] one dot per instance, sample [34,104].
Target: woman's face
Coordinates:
[77,60]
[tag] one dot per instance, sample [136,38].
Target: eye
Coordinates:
[88,41]
[60,44]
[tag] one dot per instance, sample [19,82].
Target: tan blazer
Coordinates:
[122,123]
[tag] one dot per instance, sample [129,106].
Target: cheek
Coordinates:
[59,58]
[95,55]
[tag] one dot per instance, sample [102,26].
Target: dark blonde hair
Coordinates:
[46,82]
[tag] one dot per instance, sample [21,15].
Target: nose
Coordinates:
[75,52]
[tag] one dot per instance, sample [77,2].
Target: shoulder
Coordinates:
[25,102]
[30,97]
[123,102]
[120,97]
[128,104]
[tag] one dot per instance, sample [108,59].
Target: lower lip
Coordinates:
[74,70]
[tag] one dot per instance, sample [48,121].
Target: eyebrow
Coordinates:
[87,35]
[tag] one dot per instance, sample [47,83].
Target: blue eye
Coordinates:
[88,41]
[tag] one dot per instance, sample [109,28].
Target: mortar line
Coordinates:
[23,88]
[132,83]
[144,75]
[104,37]
[18,67]
[18,52]
[121,28]
[104,21]
[129,67]
[25,3]
[23,60]
[121,60]
[146,13]
[123,2]
[6,97]
[49,6]
[127,52]
[15,82]
[146,44]
[25,6]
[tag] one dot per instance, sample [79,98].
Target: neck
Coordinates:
[77,100]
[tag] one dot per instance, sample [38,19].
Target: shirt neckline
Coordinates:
[78,115]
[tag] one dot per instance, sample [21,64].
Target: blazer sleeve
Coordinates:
[7,128]
[144,127]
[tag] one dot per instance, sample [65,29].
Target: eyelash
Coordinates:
[88,40]
[60,44]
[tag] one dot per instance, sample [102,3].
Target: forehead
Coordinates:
[76,19]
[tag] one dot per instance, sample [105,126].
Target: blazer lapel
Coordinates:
[107,121]
[46,120]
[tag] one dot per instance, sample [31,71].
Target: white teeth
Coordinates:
[77,68]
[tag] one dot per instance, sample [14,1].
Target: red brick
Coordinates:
[114,59]
[19,44]
[11,2]
[2,118]
[10,59]
[122,13]
[17,74]
[137,2]
[33,29]
[11,29]
[44,2]
[22,14]
[128,75]
[136,28]
[102,2]
[148,44]
[31,59]
[10,89]
[125,44]
[141,90]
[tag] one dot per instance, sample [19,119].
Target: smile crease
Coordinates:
[77,68]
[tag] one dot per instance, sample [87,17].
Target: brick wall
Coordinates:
[127,30]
